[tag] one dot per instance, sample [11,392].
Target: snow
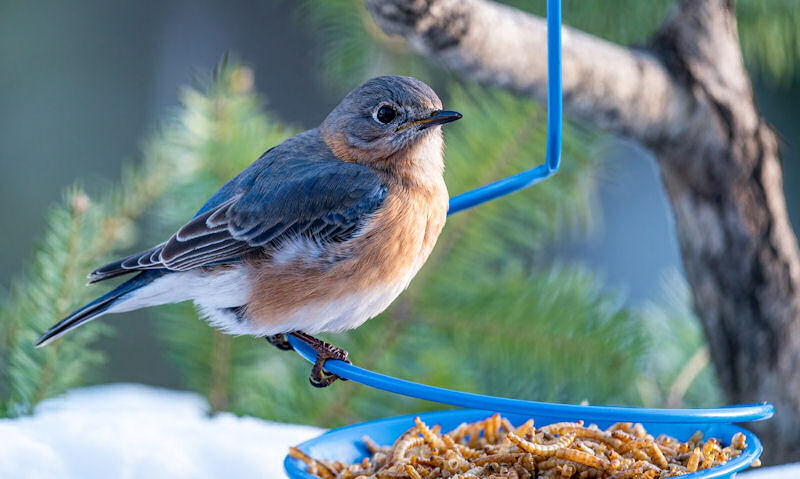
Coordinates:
[786,471]
[134,431]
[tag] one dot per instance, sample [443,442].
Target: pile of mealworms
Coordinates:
[493,448]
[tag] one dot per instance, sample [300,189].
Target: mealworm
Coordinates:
[541,449]
[583,458]
[401,449]
[429,436]
[694,460]
[412,473]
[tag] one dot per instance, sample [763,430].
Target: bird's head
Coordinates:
[384,116]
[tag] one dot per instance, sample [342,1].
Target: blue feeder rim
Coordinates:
[506,186]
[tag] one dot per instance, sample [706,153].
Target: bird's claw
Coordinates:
[279,341]
[319,377]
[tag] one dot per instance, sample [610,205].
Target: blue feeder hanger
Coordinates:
[739,413]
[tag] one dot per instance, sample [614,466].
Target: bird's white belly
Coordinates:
[347,311]
[214,300]
[344,312]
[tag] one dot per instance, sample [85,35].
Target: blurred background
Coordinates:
[562,292]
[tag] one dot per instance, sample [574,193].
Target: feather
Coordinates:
[298,188]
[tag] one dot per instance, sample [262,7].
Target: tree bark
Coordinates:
[688,98]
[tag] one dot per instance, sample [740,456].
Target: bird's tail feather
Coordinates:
[94,309]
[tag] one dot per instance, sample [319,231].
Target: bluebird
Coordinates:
[320,233]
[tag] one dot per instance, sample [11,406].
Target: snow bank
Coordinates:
[133,431]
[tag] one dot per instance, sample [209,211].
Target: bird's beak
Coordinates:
[437,117]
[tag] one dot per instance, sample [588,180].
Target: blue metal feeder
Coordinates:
[344,444]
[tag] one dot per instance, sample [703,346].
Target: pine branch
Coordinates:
[81,234]
[351,46]
[770,37]
[221,128]
[79,204]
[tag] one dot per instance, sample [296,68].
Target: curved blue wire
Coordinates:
[740,413]
[554,126]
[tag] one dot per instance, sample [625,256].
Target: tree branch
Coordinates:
[624,91]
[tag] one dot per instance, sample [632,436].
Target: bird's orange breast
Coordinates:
[313,287]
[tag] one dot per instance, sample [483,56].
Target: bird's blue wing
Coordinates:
[277,197]
[324,200]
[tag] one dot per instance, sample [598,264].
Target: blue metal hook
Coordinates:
[535,175]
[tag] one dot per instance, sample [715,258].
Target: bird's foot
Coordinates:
[279,341]
[319,377]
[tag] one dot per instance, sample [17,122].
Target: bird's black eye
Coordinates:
[385,114]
